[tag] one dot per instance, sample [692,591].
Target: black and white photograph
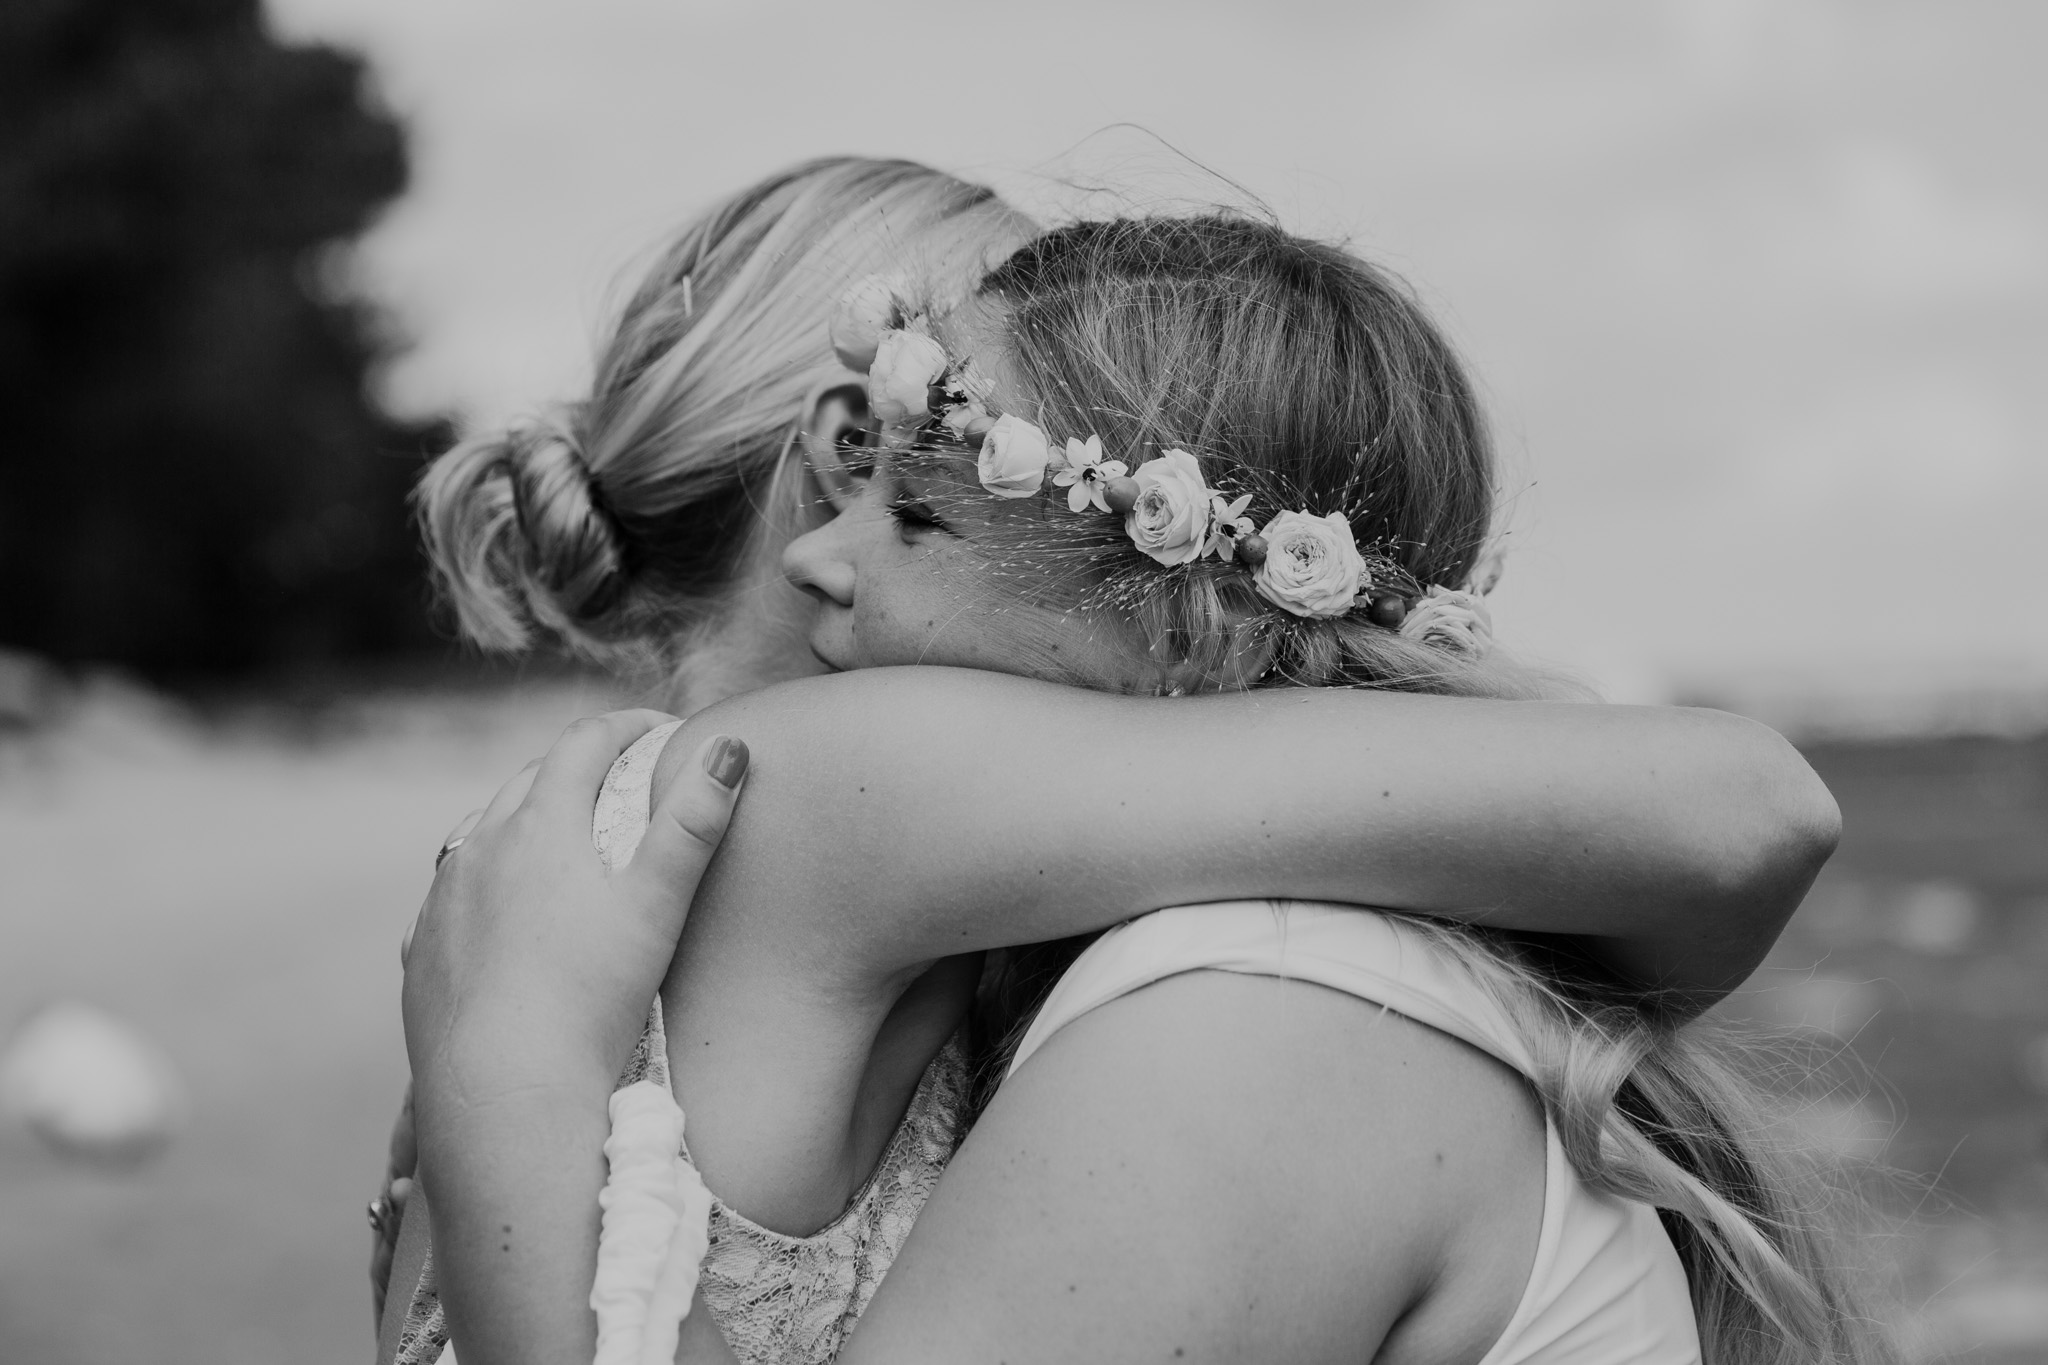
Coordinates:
[748,682]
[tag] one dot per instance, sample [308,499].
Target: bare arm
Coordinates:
[899,815]
[1131,1196]
[896,816]
[526,984]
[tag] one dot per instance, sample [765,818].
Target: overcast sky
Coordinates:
[1758,289]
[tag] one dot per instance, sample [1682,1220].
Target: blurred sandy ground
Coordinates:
[1920,959]
[237,888]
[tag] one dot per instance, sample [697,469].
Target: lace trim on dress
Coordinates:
[793,1300]
[779,1300]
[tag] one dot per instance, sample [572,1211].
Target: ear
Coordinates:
[838,443]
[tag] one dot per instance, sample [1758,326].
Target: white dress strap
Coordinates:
[1375,957]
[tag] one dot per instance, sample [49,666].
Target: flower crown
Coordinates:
[1309,566]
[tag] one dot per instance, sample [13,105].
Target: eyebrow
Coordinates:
[911,471]
[888,466]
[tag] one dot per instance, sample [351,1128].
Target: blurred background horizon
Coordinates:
[1757,291]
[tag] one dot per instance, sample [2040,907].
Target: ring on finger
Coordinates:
[458,836]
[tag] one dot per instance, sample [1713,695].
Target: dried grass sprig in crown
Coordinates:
[1307,565]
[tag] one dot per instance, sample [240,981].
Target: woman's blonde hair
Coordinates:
[1305,376]
[1678,1117]
[620,523]
[1296,373]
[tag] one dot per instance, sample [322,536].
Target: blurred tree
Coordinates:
[193,479]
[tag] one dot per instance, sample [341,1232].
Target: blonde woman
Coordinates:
[643,527]
[935,812]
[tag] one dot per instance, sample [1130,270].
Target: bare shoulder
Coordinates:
[902,763]
[848,717]
[1232,1167]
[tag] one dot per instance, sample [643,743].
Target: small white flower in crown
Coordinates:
[869,309]
[1013,459]
[1306,565]
[1228,526]
[905,367]
[1086,475]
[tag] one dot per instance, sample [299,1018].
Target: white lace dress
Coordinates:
[779,1300]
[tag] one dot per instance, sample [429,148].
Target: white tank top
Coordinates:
[1606,1287]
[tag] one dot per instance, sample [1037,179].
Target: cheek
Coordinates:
[913,612]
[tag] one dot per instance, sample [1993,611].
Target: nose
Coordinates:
[817,562]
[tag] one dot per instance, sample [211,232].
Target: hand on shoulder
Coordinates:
[530,952]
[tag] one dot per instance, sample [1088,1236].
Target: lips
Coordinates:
[829,651]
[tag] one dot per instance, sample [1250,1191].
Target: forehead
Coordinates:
[952,255]
[927,471]
[975,330]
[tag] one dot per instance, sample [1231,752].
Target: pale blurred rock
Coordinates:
[91,1086]
[1937,917]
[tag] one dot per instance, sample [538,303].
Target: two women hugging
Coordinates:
[1103,620]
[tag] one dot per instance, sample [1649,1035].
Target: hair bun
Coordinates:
[571,536]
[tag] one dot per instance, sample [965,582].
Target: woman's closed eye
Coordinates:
[903,494]
[915,517]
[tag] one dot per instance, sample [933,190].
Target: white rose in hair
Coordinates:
[1453,620]
[906,366]
[1013,458]
[1312,566]
[863,315]
[1171,519]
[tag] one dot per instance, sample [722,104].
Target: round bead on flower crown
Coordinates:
[1307,565]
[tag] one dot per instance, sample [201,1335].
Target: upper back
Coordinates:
[1596,1278]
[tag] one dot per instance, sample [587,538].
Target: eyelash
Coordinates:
[915,516]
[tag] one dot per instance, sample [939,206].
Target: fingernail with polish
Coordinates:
[726,761]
